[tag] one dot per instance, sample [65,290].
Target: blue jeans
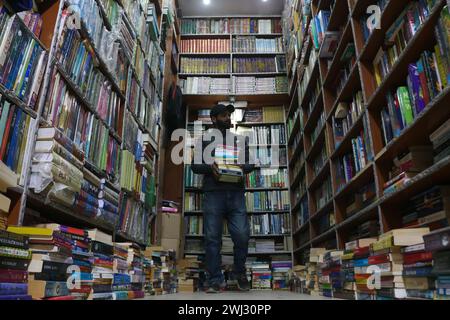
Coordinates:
[218,205]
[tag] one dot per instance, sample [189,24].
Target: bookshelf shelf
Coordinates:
[330,233]
[206,54]
[251,236]
[296,153]
[318,179]
[339,15]
[303,246]
[295,130]
[257,74]
[431,117]
[317,144]
[253,124]
[302,228]
[258,54]
[358,181]
[296,179]
[309,87]
[325,208]
[346,143]
[207,35]
[315,114]
[352,83]
[371,211]
[293,92]
[435,175]
[335,63]
[12,97]
[398,72]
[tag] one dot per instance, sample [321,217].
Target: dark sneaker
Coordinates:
[214,288]
[242,283]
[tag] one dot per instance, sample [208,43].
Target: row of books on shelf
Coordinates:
[260,224]
[267,178]
[302,214]
[257,45]
[264,114]
[205,65]
[240,65]
[205,46]
[23,60]
[36,263]
[15,128]
[361,154]
[307,74]
[407,103]
[230,25]
[347,64]
[410,264]
[238,85]
[323,194]
[319,127]
[434,65]
[267,201]
[320,161]
[345,116]
[408,165]
[274,134]
[259,85]
[259,64]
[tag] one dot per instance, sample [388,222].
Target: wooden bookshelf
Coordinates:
[51,12]
[384,209]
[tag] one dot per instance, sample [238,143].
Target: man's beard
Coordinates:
[223,125]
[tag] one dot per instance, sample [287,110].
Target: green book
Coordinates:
[405,105]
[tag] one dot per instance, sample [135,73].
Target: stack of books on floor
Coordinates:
[135,270]
[281,265]
[261,276]
[437,243]
[297,279]
[51,256]
[189,274]
[163,270]
[14,261]
[102,248]
[348,266]
[121,281]
[394,265]
[313,268]
[332,273]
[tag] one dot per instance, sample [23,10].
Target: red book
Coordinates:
[6,133]
[13,276]
[361,252]
[63,298]
[380,259]
[410,258]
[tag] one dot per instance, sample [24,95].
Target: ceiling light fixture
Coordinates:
[206,2]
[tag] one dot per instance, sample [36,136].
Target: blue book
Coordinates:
[9,289]
[361,262]
[16,297]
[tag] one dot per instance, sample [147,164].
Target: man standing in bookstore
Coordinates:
[224,197]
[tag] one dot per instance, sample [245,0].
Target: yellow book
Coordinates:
[383,243]
[31,231]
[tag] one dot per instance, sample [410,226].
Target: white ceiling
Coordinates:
[231,7]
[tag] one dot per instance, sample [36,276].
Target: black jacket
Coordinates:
[209,181]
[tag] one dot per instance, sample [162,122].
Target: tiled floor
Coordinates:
[251,295]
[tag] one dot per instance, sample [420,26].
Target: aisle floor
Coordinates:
[251,295]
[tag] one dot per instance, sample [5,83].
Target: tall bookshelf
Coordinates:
[333,220]
[140,104]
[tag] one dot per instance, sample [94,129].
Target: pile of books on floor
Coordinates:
[14,261]
[331,273]
[437,243]
[297,279]
[261,275]
[163,275]
[102,248]
[313,270]
[281,265]
[188,275]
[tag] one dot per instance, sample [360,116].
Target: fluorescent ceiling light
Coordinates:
[206,2]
